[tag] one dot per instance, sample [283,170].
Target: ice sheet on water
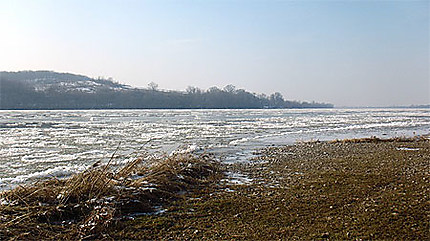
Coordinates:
[232,135]
[58,172]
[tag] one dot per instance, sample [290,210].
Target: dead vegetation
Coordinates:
[87,204]
[375,139]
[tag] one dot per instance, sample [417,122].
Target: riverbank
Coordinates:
[350,189]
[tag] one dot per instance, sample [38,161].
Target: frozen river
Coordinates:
[37,144]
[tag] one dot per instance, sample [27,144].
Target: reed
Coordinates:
[86,204]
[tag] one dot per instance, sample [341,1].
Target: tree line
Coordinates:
[17,91]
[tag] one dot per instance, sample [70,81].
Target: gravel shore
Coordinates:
[342,190]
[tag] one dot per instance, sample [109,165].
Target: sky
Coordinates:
[349,53]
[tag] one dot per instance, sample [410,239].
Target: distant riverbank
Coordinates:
[39,90]
[348,189]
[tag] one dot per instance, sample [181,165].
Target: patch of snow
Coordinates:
[235,178]
[158,210]
[229,190]
[407,149]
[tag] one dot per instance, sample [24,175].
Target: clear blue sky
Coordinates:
[353,53]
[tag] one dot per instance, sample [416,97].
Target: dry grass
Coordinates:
[375,139]
[87,204]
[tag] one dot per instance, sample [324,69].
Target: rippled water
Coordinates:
[36,144]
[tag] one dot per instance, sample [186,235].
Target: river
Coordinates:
[39,144]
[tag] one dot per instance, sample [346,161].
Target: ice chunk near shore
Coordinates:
[58,172]
[235,178]
[238,141]
[187,149]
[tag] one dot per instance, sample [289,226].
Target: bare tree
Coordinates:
[193,90]
[153,86]
[229,88]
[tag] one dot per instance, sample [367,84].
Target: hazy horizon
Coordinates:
[349,53]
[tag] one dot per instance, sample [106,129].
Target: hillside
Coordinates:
[52,90]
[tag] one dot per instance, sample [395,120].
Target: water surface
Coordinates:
[35,144]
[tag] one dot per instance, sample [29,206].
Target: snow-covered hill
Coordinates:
[42,81]
[52,90]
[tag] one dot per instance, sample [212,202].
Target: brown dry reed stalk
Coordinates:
[86,204]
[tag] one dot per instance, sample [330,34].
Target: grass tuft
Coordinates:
[85,205]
